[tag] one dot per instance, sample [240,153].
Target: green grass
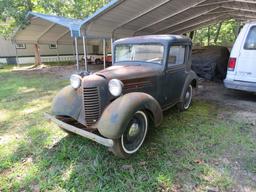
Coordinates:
[191,151]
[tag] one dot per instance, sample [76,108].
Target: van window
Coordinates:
[251,39]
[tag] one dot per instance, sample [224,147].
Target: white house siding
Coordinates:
[65,52]
[6,48]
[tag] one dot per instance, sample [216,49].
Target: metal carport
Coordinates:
[122,18]
[46,29]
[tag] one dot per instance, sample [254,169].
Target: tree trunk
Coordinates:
[191,35]
[218,33]
[209,35]
[37,55]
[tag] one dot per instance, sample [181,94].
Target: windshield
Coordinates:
[151,53]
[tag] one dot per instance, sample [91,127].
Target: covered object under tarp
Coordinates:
[122,18]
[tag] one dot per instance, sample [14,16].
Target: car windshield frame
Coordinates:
[140,61]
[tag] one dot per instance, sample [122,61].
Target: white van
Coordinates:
[241,73]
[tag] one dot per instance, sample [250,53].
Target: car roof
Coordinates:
[155,39]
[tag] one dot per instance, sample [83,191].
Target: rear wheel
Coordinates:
[133,136]
[186,100]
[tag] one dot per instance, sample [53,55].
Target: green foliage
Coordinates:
[13,12]
[227,34]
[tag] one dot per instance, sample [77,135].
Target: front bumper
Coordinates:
[240,85]
[101,140]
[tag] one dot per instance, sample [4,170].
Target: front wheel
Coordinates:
[133,136]
[186,99]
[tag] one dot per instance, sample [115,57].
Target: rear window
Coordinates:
[250,42]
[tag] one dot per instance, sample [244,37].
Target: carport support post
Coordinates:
[85,54]
[104,53]
[112,50]
[77,56]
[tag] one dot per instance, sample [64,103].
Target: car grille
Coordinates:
[92,105]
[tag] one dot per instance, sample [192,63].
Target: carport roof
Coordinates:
[45,29]
[122,18]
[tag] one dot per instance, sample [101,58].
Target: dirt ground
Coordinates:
[62,72]
[240,104]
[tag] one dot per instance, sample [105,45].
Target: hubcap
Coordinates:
[188,97]
[135,133]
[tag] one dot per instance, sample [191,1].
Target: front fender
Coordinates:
[67,103]
[117,115]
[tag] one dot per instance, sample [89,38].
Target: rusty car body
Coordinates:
[116,106]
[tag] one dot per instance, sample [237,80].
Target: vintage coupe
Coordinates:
[116,106]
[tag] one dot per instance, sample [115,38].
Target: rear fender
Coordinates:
[192,78]
[67,103]
[117,115]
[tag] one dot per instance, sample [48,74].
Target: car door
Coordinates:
[175,73]
[246,61]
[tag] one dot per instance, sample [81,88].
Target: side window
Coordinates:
[250,42]
[176,55]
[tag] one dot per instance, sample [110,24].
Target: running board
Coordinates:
[83,133]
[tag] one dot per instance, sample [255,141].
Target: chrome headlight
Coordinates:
[75,81]
[115,87]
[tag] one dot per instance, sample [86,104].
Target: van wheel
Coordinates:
[133,136]
[186,100]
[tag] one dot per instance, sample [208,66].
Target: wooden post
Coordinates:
[37,55]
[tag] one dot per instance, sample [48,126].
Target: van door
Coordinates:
[246,61]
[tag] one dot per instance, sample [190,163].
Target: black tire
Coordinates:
[133,136]
[186,99]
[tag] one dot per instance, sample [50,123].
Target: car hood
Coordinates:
[124,72]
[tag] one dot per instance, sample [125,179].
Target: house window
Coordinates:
[95,49]
[20,46]
[53,46]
